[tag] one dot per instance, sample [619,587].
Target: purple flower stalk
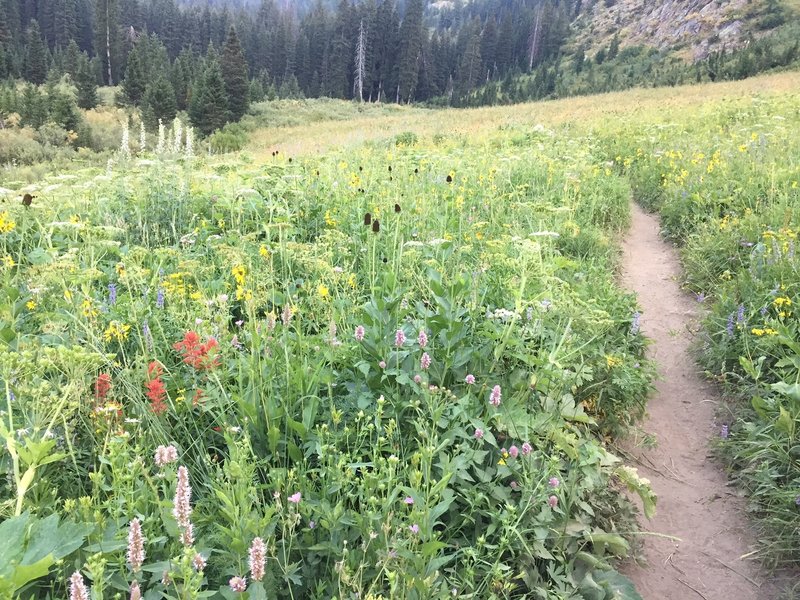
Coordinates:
[724,432]
[135,546]
[422,339]
[399,338]
[160,298]
[496,396]
[729,325]
[425,361]
[182,509]
[740,315]
[198,562]
[77,588]
[165,455]
[257,559]
[112,294]
[148,337]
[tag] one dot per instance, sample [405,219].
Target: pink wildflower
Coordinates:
[513,451]
[470,379]
[77,588]
[554,482]
[399,338]
[514,486]
[425,361]
[198,562]
[409,500]
[258,556]
[496,396]
[135,546]
[422,338]
[414,529]
[182,508]
[295,498]
[136,593]
[165,455]
[478,433]
[417,378]
[526,449]
[382,364]
[360,331]
[238,584]
[552,501]
[187,536]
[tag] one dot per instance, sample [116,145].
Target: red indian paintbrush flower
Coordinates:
[200,355]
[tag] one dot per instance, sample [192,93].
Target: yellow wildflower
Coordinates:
[116,331]
[87,308]
[30,305]
[263,252]
[8,261]
[239,273]
[7,224]
[323,291]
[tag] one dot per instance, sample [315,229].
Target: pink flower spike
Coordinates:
[135,546]
[422,339]
[258,558]
[182,508]
[136,592]
[360,331]
[77,588]
[409,500]
[496,396]
[552,501]
[478,433]
[295,498]
[526,449]
[470,379]
[425,361]
[399,338]
[513,451]
[198,562]
[238,584]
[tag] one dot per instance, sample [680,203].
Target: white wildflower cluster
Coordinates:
[502,314]
[125,146]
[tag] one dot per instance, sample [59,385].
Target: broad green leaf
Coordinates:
[24,574]
[785,423]
[12,536]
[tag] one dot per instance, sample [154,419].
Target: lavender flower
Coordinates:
[513,452]
[764,310]
[135,546]
[422,339]
[148,337]
[408,500]
[729,325]
[295,498]
[258,557]
[797,500]
[77,588]
[701,297]
[425,361]
[112,294]
[724,432]
[187,536]
[160,298]
[740,315]
[414,529]
[417,378]
[496,396]
[399,338]
[182,509]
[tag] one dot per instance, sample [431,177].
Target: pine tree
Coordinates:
[86,83]
[136,75]
[35,56]
[235,75]
[159,102]
[411,32]
[208,109]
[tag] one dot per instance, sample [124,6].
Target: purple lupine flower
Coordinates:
[496,396]
[740,315]
[635,325]
[112,294]
[359,334]
[422,338]
[160,298]
[399,338]
[724,432]
[729,325]
[425,361]
[764,310]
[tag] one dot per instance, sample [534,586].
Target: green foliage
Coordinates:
[235,73]
[158,103]
[208,109]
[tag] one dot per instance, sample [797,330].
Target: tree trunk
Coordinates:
[108,43]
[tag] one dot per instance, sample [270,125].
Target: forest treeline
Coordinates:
[212,60]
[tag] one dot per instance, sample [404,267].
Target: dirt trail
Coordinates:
[695,504]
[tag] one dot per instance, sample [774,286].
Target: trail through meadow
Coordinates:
[704,519]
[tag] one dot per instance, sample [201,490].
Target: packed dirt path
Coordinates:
[695,504]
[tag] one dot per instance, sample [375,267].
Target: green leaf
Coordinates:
[24,574]
[256,591]
[761,407]
[792,391]
[12,536]
[785,423]
[615,543]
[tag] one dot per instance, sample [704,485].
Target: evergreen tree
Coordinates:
[35,56]
[411,32]
[136,75]
[86,83]
[159,102]
[208,109]
[235,75]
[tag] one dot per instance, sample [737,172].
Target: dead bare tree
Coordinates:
[361,63]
